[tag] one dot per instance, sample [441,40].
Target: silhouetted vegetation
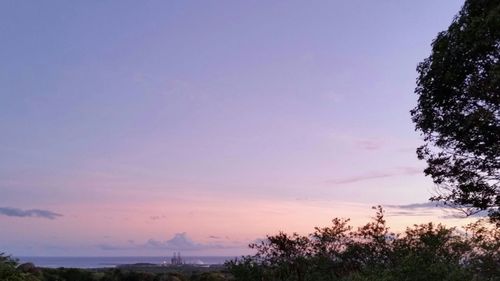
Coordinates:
[372,252]
[458,110]
[458,113]
[11,270]
[338,252]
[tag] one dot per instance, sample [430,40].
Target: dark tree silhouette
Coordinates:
[458,110]
[427,252]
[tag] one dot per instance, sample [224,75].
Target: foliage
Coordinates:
[248,268]
[209,276]
[9,270]
[371,252]
[484,254]
[458,110]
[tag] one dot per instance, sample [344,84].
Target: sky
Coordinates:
[147,127]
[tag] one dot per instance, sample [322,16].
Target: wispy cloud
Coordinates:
[419,206]
[14,212]
[364,177]
[369,144]
[416,209]
[400,171]
[154,218]
[430,208]
[362,143]
[410,213]
[374,143]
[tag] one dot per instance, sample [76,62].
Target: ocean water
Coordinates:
[99,262]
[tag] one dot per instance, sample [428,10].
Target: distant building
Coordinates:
[177,259]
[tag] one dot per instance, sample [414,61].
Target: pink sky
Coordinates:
[143,129]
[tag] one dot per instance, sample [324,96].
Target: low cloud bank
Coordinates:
[180,242]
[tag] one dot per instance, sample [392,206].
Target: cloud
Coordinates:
[375,143]
[419,206]
[400,171]
[180,242]
[416,209]
[439,209]
[461,215]
[369,144]
[362,143]
[14,212]
[154,218]
[368,176]
[409,213]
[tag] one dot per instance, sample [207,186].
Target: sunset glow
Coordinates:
[131,128]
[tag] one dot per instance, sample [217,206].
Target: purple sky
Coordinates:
[132,127]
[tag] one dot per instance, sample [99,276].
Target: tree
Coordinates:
[458,110]
[9,270]
[425,252]
[287,254]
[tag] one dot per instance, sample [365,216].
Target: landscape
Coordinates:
[250,140]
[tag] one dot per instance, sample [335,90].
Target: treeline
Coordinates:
[11,270]
[424,252]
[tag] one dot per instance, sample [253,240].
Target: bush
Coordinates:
[424,252]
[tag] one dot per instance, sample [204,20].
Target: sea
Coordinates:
[110,262]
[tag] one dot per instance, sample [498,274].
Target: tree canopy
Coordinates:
[340,252]
[458,110]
